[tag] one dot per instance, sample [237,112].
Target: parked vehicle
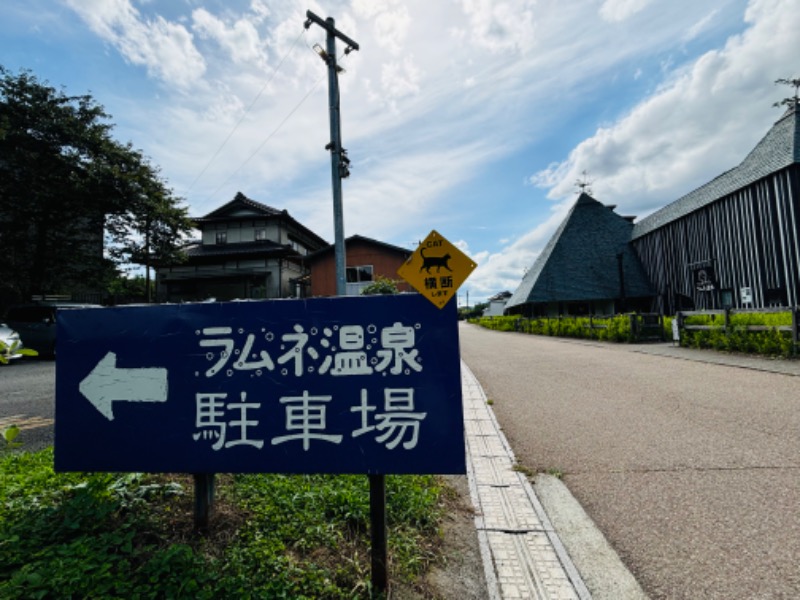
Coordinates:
[11,346]
[36,323]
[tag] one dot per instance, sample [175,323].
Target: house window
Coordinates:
[261,234]
[222,237]
[359,274]
[298,247]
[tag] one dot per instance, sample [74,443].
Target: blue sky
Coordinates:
[471,117]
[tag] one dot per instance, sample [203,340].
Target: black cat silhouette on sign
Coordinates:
[428,262]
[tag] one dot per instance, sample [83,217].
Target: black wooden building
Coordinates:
[735,241]
[731,243]
[587,267]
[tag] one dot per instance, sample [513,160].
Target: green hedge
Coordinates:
[737,338]
[612,329]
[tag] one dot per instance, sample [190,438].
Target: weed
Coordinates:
[522,469]
[272,536]
[557,473]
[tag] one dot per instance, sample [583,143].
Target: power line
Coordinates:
[269,137]
[271,134]
[246,112]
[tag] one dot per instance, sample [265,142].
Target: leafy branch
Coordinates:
[792,101]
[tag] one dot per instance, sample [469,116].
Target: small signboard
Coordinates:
[437,269]
[332,385]
[704,279]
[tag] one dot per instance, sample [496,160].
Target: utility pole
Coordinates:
[339,160]
[340,170]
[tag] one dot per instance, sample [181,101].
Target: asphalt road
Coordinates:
[691,470]
[27,389]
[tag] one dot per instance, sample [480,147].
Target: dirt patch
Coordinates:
[459,574]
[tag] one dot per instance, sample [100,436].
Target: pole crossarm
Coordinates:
[328,25]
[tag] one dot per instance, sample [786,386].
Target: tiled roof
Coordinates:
[500,296]
[354,239]
[234,207]
[266,248]
[580,262]
[777,150]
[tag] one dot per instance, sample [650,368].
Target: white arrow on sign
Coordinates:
[106,384]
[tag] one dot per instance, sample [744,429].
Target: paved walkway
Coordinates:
[522,555]
[743,361]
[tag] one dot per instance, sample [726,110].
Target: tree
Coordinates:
[127,289]
[472,312]
[63,181]
[793,100]
[148,233]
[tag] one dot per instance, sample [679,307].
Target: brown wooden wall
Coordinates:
[384,262]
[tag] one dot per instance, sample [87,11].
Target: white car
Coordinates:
[10,345]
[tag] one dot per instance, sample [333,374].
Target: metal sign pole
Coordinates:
[377,483]
[339,161]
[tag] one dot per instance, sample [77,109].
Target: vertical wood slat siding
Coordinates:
[791,180]
[751,237]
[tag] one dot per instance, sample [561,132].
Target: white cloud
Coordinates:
[400,79]
[165,48]
[240,40]
[391,28]
[697,125]
[615,11]
[701,25]
[500,26]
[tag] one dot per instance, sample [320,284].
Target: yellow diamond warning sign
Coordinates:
[437,269]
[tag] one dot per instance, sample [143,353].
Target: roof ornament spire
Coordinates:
[583,184]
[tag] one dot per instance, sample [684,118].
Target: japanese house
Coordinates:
[366,259]
[247,250]
[497,304]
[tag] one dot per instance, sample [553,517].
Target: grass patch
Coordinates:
[108,535]
[557,473]
[523,469]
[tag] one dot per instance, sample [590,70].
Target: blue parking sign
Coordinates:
[367,384]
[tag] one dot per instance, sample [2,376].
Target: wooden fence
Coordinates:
[725,321]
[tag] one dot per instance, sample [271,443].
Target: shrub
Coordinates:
[617,328]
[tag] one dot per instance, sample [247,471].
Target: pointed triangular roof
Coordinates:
[777,150]
[580,262]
